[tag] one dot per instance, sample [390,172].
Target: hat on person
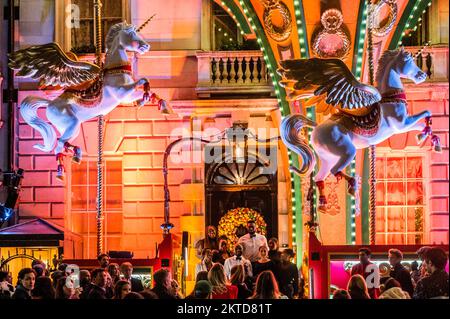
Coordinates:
[203,288]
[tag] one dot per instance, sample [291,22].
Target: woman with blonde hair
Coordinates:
[221,289]
[238,279]
[267,287]
[357,287]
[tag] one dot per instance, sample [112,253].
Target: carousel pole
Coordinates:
[98,61]
[372,149]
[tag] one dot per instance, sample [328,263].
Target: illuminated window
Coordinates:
[82,38]
[226,34]
[84,203]
[401,203]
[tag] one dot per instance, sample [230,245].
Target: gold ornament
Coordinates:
[282,33]
[332,21]
[380,28]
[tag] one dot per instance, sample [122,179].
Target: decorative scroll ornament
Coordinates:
[332,41]
[381,27]
[278,33]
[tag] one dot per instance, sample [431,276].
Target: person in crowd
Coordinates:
[263,263]
[103,260]
[399,272]
[267,287]
[55,276]
[238,279]
[114,272]
[388,284]
[210,241]
[148,294]
[176,289]
[288,274]
[85,279]
[25,283]
[201,275]
[126,269]
[364,255]
[43,289]
[357,287]
[67,291]
[202,290]
[421,254]
[436,284]
[206,263]
[98,288]
[415,272]
[251,242]
[219,256]
[121,289]
[238,259]
[62,267]
[6,289]
[109,286]
[341,294]
[163,284]
[133,295]
[274,252]
[395,293]
[39,269]
[221,289]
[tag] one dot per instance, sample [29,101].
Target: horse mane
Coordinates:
[386,58]
[114,31]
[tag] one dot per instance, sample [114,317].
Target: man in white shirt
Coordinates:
[237,259]
[251,242]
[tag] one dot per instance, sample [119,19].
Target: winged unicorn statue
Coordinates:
[89,90]
[360,115]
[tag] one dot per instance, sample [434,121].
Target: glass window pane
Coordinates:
[415,193]
[395,167]
[414,167]
[79,197]
[396,219]
[381,200]
[92,197]
[92,173]
[381,220]
[395,193]
[380,239]
[415,219]
[380,168]
[397,239]
[79,174]
[114,172]
[113,197]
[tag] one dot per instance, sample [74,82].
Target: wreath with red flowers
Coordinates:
[238,217]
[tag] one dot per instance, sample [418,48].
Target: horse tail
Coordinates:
[290,134]
[28,110]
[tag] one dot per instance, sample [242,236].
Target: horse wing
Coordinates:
[329,79]
[52,66]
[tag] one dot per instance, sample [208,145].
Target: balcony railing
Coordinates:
[232,72]
[433,61]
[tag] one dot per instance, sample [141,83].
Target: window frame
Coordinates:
[63,35]
[386,153]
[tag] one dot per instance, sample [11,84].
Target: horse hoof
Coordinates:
[60,177]
[322,208]
[351,190]
[76,160]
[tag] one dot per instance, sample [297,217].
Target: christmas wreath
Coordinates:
[237,218]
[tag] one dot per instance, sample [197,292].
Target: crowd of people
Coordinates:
[254,269]
[429,281]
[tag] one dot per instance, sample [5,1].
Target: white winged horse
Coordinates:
[89,91]
[361,115]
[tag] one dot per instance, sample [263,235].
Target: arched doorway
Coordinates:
[244,182]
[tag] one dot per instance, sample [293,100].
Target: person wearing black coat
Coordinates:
[399,272]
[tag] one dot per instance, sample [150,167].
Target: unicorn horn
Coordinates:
[145,23]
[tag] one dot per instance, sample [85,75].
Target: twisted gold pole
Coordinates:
[372,196]
[98,56]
